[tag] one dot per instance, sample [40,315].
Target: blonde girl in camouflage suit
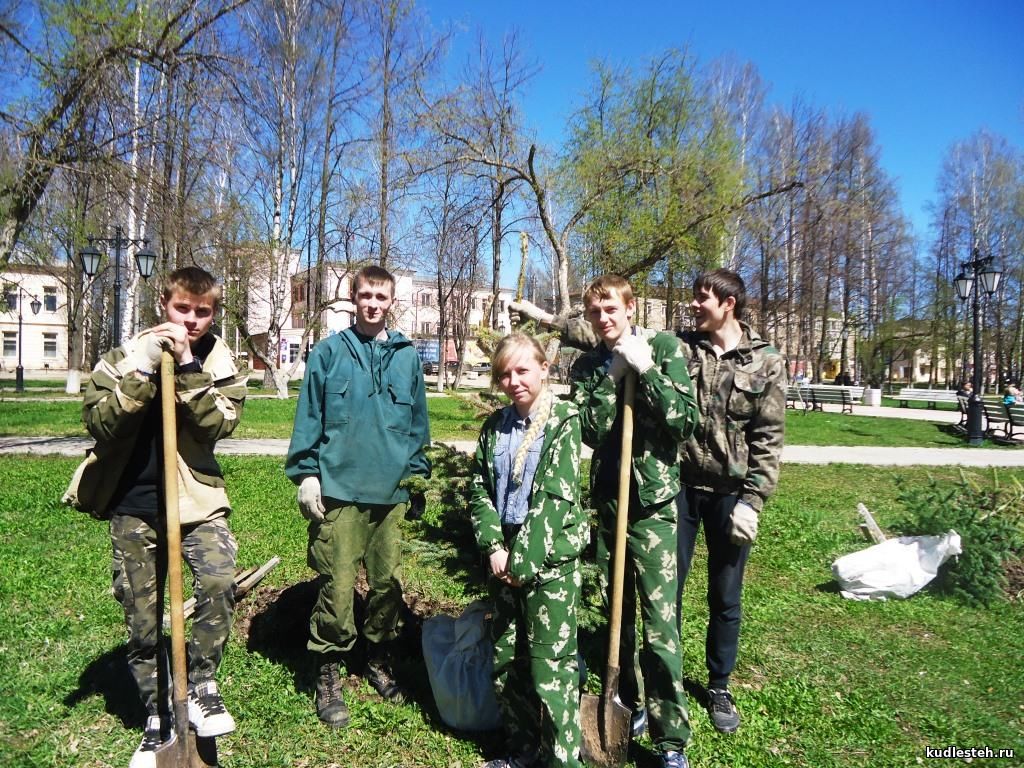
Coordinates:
[528,521]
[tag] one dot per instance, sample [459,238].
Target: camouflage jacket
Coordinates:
[556,528]
[737,446]
[664,415]
[209,403]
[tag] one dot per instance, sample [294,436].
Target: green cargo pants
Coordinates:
[536,672]
[651,575]
[348,536]
[210,550]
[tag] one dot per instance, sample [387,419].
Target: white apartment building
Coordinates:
[43,339]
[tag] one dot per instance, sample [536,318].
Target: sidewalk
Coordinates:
[791,454]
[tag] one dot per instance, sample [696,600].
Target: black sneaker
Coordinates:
[206,711]
[158,734]
[330,699]
[722,709]
[380,676]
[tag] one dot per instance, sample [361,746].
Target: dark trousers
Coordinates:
[726,562]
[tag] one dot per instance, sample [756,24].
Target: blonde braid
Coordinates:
[543,413]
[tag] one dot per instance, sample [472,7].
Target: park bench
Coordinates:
[832,394]
[930,396]
[1015,421]
[798,395]
[962,405]
[997,419]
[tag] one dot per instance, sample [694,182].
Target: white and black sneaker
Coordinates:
[206,711]
[157,735]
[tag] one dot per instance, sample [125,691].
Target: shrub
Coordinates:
[989,519]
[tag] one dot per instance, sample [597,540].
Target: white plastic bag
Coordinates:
[894,568]
[460,661]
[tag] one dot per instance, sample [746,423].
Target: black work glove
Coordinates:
[417,505]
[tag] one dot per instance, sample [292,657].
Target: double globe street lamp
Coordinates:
[36,304]
[980,269]
[145,260]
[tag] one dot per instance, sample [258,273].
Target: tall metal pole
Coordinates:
[19,373]
[974,409]
[116,335]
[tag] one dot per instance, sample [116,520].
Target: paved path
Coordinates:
[791,454]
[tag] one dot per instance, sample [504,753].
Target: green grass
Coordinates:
[450,419]
[822,682]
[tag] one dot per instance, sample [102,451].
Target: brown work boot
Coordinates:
[379,674]
[330,699]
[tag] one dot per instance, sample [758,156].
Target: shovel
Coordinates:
[187,751]
[605,719]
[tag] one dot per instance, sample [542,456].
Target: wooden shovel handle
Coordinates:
[621,523]
[179,671]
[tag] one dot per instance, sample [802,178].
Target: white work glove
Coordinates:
[637,352]
[311,502]
[618,367]
[743,524]
[146,357]
[521,311]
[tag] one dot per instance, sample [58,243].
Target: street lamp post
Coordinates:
[844,335]
[145,260]
[36,304]
[981,269]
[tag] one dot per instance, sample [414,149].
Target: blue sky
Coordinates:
[927,74]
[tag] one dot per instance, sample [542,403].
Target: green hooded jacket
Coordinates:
[361,422]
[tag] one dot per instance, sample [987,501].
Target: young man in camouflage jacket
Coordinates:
[729,466]
[664,416]
[122,480]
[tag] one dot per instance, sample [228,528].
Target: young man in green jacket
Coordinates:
[664,416]
[122,480]
[360,430]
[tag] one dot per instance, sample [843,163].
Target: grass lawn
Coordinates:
[821,681]
[451,418]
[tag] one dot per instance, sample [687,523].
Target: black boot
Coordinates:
[379,673]
[330,699]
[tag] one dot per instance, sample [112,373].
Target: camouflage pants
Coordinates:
[536,672]
[210,551]
[650,575]
[349,535]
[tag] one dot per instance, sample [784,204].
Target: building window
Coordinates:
[50,298]
[50,345]
[10,344]
[293,352]
[425,329]
[11,296]
[298,319]
[424,299]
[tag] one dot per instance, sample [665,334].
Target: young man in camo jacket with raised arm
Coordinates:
[122,480]
[664,416]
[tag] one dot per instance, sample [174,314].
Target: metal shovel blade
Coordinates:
[605,722]
[195,752]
